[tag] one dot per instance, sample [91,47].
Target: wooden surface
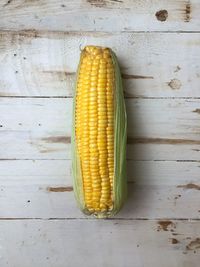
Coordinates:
[158,46]
[153,64]
[101,15]
[103,243]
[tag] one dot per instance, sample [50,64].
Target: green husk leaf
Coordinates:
[120,137]
[76,166]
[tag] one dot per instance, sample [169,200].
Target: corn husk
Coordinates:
[120,137]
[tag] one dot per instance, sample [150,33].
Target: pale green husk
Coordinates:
[120,137]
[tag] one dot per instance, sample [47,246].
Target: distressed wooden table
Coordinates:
[158,45]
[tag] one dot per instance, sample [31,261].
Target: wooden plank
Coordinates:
[100,243]
[153,151]
[40,128]
[43,189]
[58,172]
[153,65]
[98,15]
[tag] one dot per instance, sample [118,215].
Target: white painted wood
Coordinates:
[42,189]
[100,15]
[163,152]
[58,172]
[40,128]
[98,243]
[39,219]
[154,65]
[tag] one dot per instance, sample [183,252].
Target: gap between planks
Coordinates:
[145,160]
[126,97]
[94,219]
[39,33]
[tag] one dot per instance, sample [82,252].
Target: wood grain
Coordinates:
[153,65]
[114,243]
[58,172]
[157,43]
[100,15]
[40,128]
[43,189]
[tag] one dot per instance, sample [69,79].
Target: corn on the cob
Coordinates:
[99,133]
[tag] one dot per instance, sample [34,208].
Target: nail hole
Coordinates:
[162,15]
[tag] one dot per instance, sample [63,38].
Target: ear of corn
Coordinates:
[99,134]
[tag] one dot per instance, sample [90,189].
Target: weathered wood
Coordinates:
[43,189]
[58,172]
[98,15]
[41,128]
[100,243]
[39,219]
[153,65]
